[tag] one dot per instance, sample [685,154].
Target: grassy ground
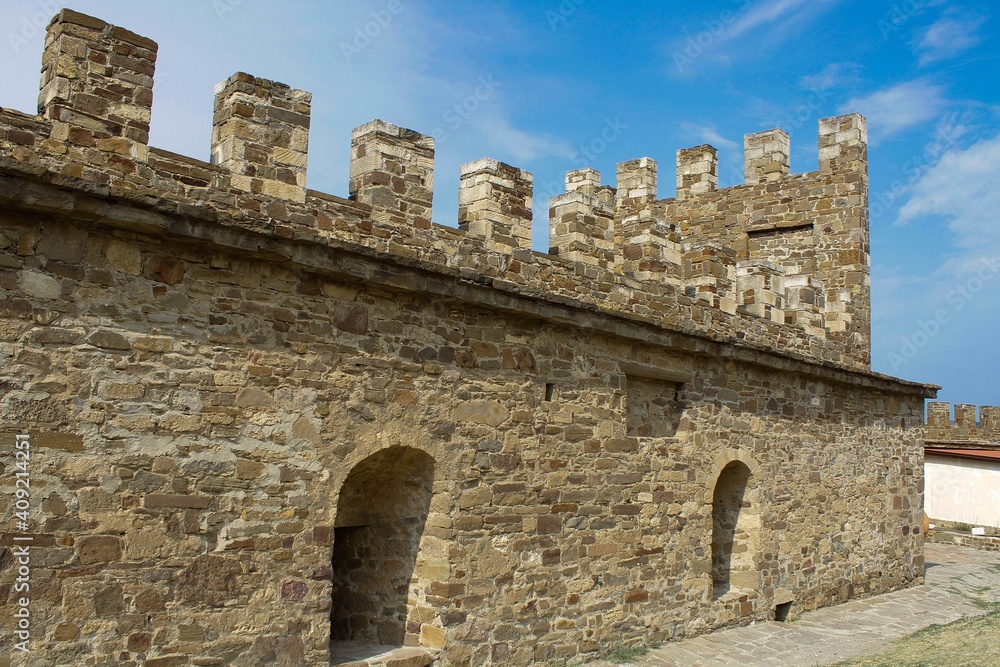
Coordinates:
[968,642]
[620,653]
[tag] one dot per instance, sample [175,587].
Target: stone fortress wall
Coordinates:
[966,430]
[265,418]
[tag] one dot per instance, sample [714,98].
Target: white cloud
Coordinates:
[897,108]
[763,13]
[708,135]
[931,315]
[948,37]
[516,143]
[834,75]
[770,22]
[961,189]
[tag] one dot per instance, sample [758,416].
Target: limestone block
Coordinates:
[490,413]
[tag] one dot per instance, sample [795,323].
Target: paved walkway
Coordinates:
[956,576]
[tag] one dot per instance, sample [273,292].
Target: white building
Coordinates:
[962,485]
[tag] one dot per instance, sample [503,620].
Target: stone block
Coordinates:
[98,549]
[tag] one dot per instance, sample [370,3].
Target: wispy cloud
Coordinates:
[516,143]
[961,189]
[764,13]
[950,130]
[898,107]
[948,37]
[770,22]
[953,299]
[706,134]
[834,75]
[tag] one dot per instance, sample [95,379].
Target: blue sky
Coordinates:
[554,85]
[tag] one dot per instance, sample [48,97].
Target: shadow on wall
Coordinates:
[381,513]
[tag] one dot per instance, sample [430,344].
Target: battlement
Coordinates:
[778,263]
[313,425]
[260,135]
[965,428]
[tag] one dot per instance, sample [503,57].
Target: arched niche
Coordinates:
[381,512]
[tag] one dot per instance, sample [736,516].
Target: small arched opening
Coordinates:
[381,512]
[735,528]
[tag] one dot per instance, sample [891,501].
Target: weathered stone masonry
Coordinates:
[266,417]
[967,431]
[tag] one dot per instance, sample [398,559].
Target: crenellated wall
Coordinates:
[965,429]
[796,245]
[962,486]
[788,268]
[269,423]
[810,228]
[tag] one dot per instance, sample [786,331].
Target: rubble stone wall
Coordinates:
[254,407]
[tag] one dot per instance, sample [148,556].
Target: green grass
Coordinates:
[622,653]
[968,642]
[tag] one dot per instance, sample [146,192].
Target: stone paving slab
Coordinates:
[955,577]
[355,655]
